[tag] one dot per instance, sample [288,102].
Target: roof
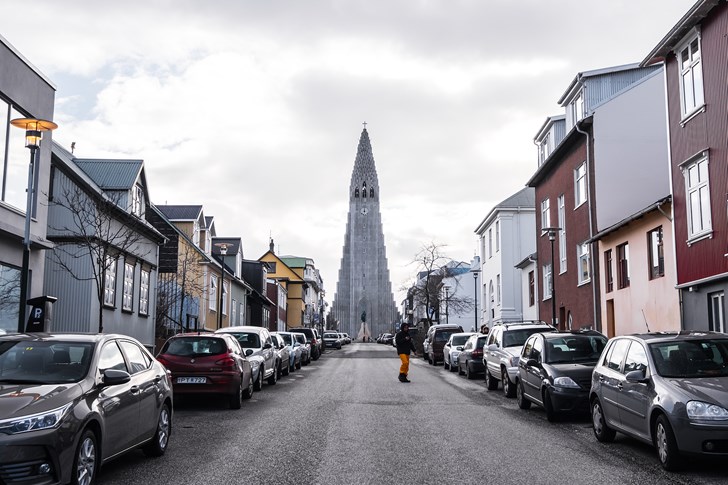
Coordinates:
[624,222]
[523,199]
[234,244]
[25,61]
[295,261]
[595,72]
[555,159]
[180,212]
[531,258]
[111,174]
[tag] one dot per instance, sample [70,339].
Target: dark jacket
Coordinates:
[404,342]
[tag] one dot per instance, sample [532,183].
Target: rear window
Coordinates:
[460,339]
[444,335]
[247,340]
[481,342]
[195,346]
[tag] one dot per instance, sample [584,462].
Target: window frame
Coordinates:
[548,274]
[608,271]
[212,288]
[701,187]
[583,253]
[561,203]
[546,213]
[127,296]
[656,249]
[110,268]
[531,288]
[144,291]
[580,185]
[623,266]
[694,66]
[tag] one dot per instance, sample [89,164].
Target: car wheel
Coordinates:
[666,445]
[445,365]
[159,442]
[508,388]
[460,371]
[521,398]
[248,392]
[298,366]
[468,373]
[258,384]
[453,367]
[236,398]
[273,377]
[491,382]
[84,464]
[288,368]
[602,432]
[549,407]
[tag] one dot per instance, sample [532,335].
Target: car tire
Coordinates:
[468,373]
[445,365]
[602,432]
[521,398]
[86,460]
[158,445]
[248,392]
[667,451]
[490,381]
[288,368]
[236,398]
[460,371]
[508,388]
[548,406]
[258,384]
[298,366]
[452,368]
[273,377]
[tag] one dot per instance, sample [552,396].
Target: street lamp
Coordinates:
[223,251]
[33,134]
[551,232]
[475,276]
[447,298]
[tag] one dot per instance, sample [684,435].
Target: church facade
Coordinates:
[364,302]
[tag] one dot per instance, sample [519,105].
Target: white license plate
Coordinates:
[191,380]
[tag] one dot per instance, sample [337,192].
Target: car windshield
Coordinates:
[518,337]
[44,362]
[691,358]
[247,340]
[443,335]
[195,346]
[460,339]
[330,335]
[574,348]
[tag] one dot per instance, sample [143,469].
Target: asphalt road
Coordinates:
[345,419]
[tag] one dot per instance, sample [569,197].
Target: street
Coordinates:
[346,419]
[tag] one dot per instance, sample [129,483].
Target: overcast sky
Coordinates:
[254,108]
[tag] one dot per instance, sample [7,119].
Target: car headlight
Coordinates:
[566,382]
[514,360]
[34,422]
[704,411]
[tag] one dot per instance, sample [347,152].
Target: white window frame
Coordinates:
[562,233]
[547,281]
[498,289]
[717,315]
[497,236]
[127,299]
[213,292]
[546,213]
[110,281]
[490,243]
[544,148]
[137,201]
[698,191]
[233,309]
[580,186]
[692,97]
[144,292]
[224,297]
[583,258]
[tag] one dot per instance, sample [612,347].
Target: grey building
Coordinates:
[364,289]
[24,93]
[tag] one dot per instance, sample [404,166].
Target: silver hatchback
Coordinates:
[666,389]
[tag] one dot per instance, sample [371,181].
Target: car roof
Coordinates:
[62,337]
[677,336]
[524,324]
[464,334]
[574,333]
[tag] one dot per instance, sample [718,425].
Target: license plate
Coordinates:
[191,380]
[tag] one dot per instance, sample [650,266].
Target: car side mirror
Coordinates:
[460,347]
[492,347]
[636,376]
[532,363]
[248,352]
[113,377]
[267,345]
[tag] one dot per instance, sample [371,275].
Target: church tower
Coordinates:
[364,302]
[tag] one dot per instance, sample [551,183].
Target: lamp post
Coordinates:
[475,277]
[223,251]
[447,298]
[33,134]
[551,232]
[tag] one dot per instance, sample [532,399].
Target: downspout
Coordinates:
[596,308]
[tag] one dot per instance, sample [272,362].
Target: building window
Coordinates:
[580,185]
[562,234]
[547,281]
[213,292]
[356,192]
[490,243]
[657,253]
[497,236]
[137,206]
[717,311]
[531,289]
[623,266]
[224,297]
[698,197]
[608,271]
[233,309]
[545,213]
[544,149]
[498,289]
[9,297]
[491,296]
[691,77]
[13,160]
[583,258]
[110,281]
[371,192]
[144,293]
[128,296]
[271,267]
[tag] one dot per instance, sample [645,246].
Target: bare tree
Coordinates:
[93,227]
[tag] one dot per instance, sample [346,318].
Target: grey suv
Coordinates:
[503,350]
[257,345]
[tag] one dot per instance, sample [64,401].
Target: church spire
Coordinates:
[364,174]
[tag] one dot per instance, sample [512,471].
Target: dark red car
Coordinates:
[208,363]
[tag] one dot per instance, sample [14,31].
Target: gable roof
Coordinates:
[180,212]
[295,261]
[278,274]
[112,174]
[524,199]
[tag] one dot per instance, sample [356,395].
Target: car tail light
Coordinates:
[478,353]
[226,363]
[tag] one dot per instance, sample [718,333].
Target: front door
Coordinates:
[635,397]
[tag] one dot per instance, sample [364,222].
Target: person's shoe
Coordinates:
[404,379]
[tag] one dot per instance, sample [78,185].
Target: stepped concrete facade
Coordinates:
[364,303]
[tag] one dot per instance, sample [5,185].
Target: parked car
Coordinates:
[332,340]
[347,339]
[258,347]
[437,337]
[470,360]
[503,351]
[69,403]
[669,390]
[294,350]
[314,340]
[452,349]
[388,339]
[283,355]
[555,370]
[208,363]
[305,347]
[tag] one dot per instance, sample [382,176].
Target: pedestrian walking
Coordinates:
[404,344]
[484,329]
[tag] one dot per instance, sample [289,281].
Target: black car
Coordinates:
[470,359]
[71,402]
[555,371]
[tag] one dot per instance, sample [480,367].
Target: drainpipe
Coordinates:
[594,280]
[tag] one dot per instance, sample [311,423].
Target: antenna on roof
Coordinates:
[646,324]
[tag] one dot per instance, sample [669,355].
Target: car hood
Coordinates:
[513,351]
[575,370]
[25,399]
[709,389]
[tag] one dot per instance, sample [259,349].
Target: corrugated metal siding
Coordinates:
[559,130]
[605,86]
[77,308]
[706,130]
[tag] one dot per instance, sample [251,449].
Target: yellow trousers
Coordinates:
[404,368]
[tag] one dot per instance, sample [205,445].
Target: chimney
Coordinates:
[271,246]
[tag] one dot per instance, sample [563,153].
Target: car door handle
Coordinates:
[620,386]
[134,389]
